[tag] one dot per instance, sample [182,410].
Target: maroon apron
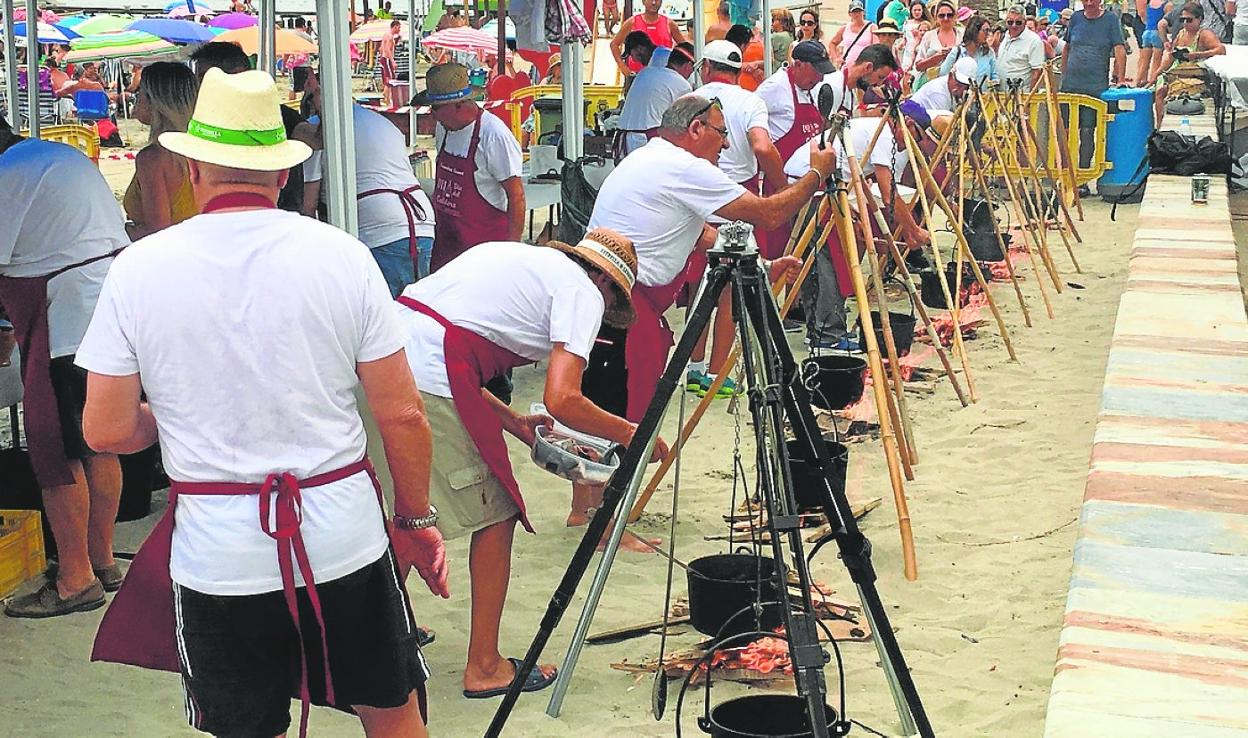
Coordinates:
[807,123]
[619,144]
[139,627]
[26,301]
[411,208]
[464,218]
[649,338]
[471,361]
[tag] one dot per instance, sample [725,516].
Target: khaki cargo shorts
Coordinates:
[467,494]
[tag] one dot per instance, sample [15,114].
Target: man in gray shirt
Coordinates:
[1094,36]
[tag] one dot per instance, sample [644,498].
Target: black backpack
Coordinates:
[1170,152]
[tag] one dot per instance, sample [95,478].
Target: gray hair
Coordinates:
[1016,10]
[684,111]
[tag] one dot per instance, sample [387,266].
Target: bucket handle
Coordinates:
[808,381]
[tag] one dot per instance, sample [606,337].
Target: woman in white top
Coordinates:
[916,25]
[937,42]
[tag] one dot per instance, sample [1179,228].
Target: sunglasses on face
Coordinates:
[1187,20]
[944,16]
[808,23]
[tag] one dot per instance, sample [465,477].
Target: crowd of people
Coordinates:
[221,317]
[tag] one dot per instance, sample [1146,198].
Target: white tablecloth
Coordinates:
[1232,67]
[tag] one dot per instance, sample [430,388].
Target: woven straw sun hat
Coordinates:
[238,124]
[613,255]
[444,84]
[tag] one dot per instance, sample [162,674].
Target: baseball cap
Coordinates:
[964,70]
[814,53]
[856,5]
[722,52]
[916,113]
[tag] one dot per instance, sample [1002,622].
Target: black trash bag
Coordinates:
[1170,152]
[578,197]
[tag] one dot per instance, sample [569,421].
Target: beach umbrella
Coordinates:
[173,30]
[47,33]
[491,28]
[199,7]
[286,42]
[375,31]
[233,21]
[71,21]
[465,39]
[102,24]
[184,11]
[117,45]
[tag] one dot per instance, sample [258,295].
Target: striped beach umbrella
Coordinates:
[376,31]
[102,24]
[173,30]
[465,39]
[117,45]
[47,33]
[195,7]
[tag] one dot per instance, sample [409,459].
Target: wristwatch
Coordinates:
[425,521]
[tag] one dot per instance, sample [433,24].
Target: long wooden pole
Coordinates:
[1029,135]
[1066,161]
[1033,193]
[978,169]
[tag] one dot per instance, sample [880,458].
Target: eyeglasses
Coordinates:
[714,103]
[808,23]
[721,131]
[944,16]
[1014,23]
[1187,20]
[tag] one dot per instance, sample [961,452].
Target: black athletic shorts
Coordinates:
[69,384]
[240,654]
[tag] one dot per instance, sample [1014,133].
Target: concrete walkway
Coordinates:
[1155,640]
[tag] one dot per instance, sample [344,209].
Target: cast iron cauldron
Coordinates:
[903,329]
[762,716]
[930,291]
[834,381]
[807,480]
[721,586]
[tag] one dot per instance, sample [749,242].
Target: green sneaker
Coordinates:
[727,389]
[696,382]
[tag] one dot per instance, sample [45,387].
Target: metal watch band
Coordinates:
[426,521]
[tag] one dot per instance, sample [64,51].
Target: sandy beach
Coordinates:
[993,504]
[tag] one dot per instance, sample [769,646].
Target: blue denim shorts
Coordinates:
[395,260]
[1151,40]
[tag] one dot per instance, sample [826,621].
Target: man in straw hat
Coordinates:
[478,194]
[53,258]
[248,328]
[545,304]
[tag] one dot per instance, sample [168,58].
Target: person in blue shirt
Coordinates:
[975,46]
[1093,38]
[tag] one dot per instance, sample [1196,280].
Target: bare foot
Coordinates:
[632,542]
[498,677]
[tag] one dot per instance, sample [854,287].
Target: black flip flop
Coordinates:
[536,682]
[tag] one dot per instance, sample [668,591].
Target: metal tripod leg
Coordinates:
[890,675]
[564,679]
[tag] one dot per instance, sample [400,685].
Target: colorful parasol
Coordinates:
[47,33]
[102,24]
[465,39]
[234,21]
[192,7]
[286,42]
[376,31]
[117,45]
[174,30]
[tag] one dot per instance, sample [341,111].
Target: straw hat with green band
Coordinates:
[238,124]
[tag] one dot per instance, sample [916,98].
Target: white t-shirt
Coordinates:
[245,329]
[381,162]
[56,209]
[660,197]
[935,96]
[776,92]
[653,91]
[1016,57]
[844,98]
[538,297]
[859,133]
[498,155]
[743,110]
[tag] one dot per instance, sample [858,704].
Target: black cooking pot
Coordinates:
[930,292]
[721,586]
[834,381]
[902,325]
[808,480]
[763,716]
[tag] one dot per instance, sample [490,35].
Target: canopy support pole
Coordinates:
[699,26]
[573,94]
[267,60]
[10,69]
[412,33]
[32,67]
[502,37]
[336,117]
[764,25]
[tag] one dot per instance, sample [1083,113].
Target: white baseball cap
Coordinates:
[722,52]
[964,70]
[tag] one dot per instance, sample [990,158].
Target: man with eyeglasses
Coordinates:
[1094,37]
[660,197]
[1020,58]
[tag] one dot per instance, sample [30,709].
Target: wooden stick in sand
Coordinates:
[922,166]
[1028,233]
[878,386]
[1033,201]
[823,212]
[1065,161]
[996,229]
[909,455]
[1029,136]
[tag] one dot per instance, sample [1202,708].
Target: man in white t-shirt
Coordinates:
[60,225]
[396,219]
[653,91]
[1020,55]
[660,197]
[749,150]
[544,304]
[238,337]
[941,96]
[478,195]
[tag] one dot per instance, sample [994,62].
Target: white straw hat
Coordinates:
[238,124]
